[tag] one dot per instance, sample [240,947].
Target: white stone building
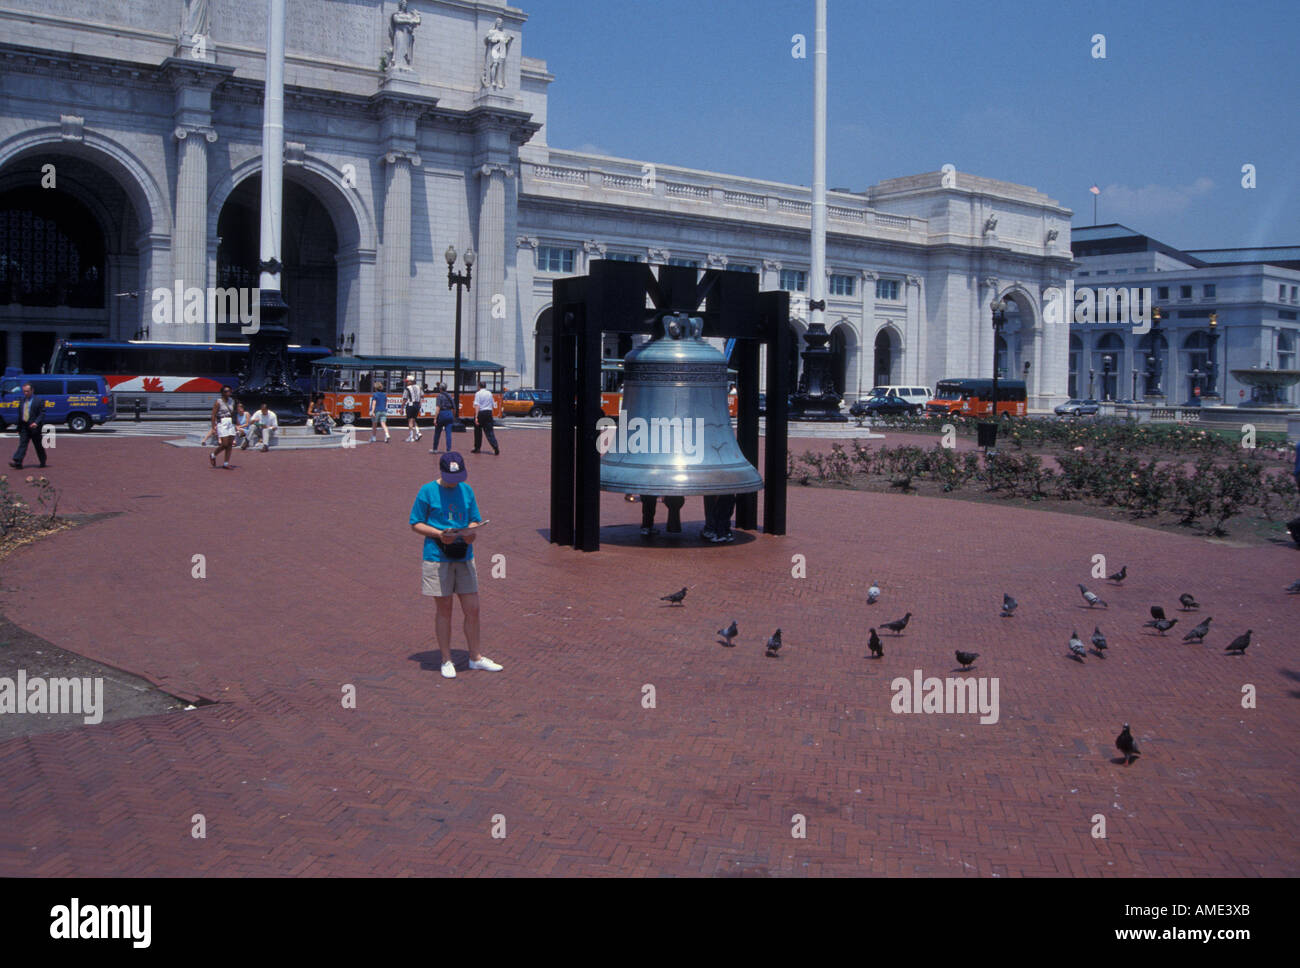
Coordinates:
[148,117]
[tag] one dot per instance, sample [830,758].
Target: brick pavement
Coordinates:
[312,582]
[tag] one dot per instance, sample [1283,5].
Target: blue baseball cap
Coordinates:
[452,466]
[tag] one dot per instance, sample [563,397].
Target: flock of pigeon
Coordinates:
[1124,742]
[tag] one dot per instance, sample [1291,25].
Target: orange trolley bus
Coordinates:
[611,388]
[348,381]
[972,398]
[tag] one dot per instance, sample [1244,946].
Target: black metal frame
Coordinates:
[611,298]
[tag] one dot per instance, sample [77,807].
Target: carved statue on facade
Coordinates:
[498,43]
[401,34]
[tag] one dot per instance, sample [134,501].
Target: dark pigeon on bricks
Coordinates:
[1090,598]
[1198,633]
[1125,743]
[1162,625]
[1119,575]
[967,658]
[1293,588]
[1098,641]
[730,632]
[675,598]
[1240,643]
[897,626]
[875,645]
[1188,601]
[1077,651]
[774,644]
[1009,605]
[1157,613]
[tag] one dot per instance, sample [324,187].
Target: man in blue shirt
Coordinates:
[379,412]
[447,514]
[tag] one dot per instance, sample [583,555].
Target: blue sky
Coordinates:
[1187,94]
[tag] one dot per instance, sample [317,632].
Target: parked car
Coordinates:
[1078,408]
[887,406]
[79,400]
[526,403]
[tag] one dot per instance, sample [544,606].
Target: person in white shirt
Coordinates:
[263,424]
[483,403]
[411,398]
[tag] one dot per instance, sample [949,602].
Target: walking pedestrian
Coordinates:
[379,413]
[31,417]
[448,562]
[411,397]
[223,426]
[445,418]
[483,403]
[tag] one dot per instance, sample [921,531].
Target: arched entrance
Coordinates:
[1153,362]
[885,370]
[1196,363]
[310,249]
[542,336]
[1076,355]
[69,263]
[843,348]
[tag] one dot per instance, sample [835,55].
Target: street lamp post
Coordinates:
[1210,365]
[1196,375]
[1105,375]
[1092,373]
[999,308]
[461,281]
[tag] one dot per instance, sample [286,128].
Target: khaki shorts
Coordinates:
[443,578]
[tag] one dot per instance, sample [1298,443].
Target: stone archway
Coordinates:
[72,217]
[543,336]
[844,358]
[887,359]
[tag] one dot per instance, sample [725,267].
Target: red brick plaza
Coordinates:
[313,583]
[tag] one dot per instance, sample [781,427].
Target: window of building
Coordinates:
[1208,290]
[1085,273]
[1184,292]
[887,289]
[741,267]
[1162,292]
[552,258]
[1103,272]
[1281,293]
[794,280]
[690,263]
[842,285]
[622,257]
[1294,290]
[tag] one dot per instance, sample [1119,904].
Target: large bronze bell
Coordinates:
[674,434]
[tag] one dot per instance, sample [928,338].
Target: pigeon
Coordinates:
[1293,588]
[1119,575]
[1098,641]
[1009,605]
[1091,599]
[730,632]
[966,658]
[873,593]
[1239,644]
[1188,601]
[774,644]
[1157,612]
[1125,743]
[1162,625]
[675,598]
[1198,633]
[875,645]
[898,626]
[1077,651]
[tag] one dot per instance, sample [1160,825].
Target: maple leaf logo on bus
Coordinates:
[153,384]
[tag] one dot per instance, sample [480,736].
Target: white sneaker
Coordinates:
[449,670]
[484,663]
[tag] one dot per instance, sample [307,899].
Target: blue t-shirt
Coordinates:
[442,508]
[381,403]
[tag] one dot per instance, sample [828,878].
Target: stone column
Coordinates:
[393,338]
[190,225]
[867,280]
[488,339]
[915,316]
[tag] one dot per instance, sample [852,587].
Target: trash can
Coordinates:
[987,434]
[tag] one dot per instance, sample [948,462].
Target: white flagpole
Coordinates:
[817,285]
[272,147]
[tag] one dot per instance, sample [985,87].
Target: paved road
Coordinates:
[312,586]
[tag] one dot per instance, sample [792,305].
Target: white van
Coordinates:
[918,396]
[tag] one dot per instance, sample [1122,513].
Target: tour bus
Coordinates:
[972,398]
[348,381]
[170,377]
